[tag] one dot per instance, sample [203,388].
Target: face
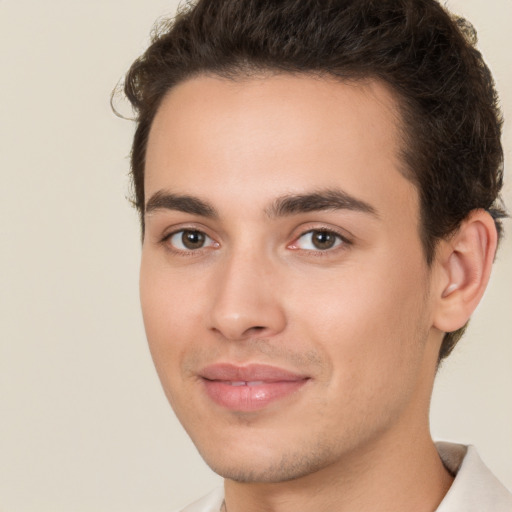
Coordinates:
[284,288]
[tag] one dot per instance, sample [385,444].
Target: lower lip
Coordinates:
[250,398]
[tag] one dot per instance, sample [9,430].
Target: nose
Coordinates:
[247,300]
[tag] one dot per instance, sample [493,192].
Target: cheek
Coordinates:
[370,327]
[171,311]
[171,314]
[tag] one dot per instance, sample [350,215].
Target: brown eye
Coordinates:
[193,239]
[190,240]
[323,239]
[318,240]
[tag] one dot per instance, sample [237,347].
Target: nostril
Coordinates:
[255,330]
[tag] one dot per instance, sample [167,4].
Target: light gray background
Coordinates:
[84,425]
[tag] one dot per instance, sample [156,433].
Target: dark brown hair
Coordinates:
[451,124]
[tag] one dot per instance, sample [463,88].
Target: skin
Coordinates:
[363,319]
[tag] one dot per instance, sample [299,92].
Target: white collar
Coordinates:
[475,488]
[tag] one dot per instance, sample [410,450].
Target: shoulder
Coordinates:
[475,488]
[209,503]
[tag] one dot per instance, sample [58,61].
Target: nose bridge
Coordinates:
[246,302]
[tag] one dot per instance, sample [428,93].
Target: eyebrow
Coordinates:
[331,199]
[182,203]
[287,205]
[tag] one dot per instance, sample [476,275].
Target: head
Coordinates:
[313,179]
[450,124]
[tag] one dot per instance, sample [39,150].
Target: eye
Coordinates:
[190,240]
[318,240]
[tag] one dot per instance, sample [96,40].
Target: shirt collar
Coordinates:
[475,488]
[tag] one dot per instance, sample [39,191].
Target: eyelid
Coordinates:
[344,239]
[165,240]
[169,230]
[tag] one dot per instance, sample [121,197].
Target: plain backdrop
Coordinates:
[84,425]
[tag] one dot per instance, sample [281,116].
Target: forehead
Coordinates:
[281,133]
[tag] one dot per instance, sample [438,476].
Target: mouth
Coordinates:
[249,388]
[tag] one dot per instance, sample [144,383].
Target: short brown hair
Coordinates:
[451,125]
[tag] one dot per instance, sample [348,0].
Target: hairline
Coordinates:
[248,71]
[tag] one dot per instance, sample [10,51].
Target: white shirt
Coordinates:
[475,488]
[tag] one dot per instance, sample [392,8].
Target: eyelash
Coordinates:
[166,240]
[341,242]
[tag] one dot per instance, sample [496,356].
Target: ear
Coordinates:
[464,263]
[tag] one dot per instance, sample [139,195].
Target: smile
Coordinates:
[249,388]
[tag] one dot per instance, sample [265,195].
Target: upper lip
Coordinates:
[249,373]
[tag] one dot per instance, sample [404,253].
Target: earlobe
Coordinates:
[465,262]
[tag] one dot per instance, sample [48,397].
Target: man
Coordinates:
[318,184]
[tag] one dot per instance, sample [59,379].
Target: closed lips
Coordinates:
[249,388]
[248,374]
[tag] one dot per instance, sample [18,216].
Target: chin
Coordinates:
[270,468]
